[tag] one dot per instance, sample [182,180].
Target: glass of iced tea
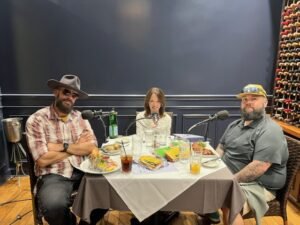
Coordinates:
[195,162]
[126,160]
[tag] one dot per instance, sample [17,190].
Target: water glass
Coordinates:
[149,138]
[162,139]
[137,146]
[184,150]
[195,162]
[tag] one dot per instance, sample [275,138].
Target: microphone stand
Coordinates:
[206,131]
[89,114]
[219,115]
[100,117]
[133,122]
[210,118]
[104,127]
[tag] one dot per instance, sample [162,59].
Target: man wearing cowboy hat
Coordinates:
[255,150]
[58,138]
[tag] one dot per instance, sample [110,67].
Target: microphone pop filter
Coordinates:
[155,117]
[87,114]
[222,114]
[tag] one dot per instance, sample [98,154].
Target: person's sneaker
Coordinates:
[214,217]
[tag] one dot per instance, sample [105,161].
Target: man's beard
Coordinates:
[63,108]
[254,115]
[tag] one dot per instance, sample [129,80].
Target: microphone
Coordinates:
[89,114]
[155,117]
[222,115]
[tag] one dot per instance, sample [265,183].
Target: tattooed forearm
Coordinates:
[252,171]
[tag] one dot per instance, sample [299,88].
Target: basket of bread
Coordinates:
[111,149]
[150,162]
[201,147]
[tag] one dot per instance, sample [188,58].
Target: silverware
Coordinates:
[210,160]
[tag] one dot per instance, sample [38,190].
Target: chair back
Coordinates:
[171,115]
[200,129]
[277,207]
[37,214]
[30,161]
[293,165]
[33,180]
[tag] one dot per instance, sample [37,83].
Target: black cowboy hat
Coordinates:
[68,81]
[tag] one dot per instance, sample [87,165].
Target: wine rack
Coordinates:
[286,95]
[286,100]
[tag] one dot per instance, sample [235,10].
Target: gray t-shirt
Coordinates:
[261,140]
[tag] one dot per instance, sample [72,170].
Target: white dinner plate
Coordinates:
[86,167]
[114,152]
[111,153]
[124,139]
[212,164]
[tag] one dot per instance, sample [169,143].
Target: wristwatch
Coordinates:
[66,146]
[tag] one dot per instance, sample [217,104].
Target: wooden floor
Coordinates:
[19,213]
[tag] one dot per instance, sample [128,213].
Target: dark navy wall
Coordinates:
[127,46]
[200,52]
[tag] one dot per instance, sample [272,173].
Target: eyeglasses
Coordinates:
[69,93]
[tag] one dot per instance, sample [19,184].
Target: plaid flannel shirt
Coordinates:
[45,126]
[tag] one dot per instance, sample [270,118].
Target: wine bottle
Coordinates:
[113,124]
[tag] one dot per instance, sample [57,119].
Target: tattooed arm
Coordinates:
[252,171]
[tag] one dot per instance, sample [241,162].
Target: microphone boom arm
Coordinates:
[199,123]
[221,115]
[133,122]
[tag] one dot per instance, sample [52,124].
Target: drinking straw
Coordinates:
[123,148]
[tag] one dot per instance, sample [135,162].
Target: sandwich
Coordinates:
[172,154]
[150,162]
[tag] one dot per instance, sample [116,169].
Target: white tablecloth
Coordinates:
[163,187]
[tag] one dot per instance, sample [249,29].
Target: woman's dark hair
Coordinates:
[161,97]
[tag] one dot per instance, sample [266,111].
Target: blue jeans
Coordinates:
[54,197]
